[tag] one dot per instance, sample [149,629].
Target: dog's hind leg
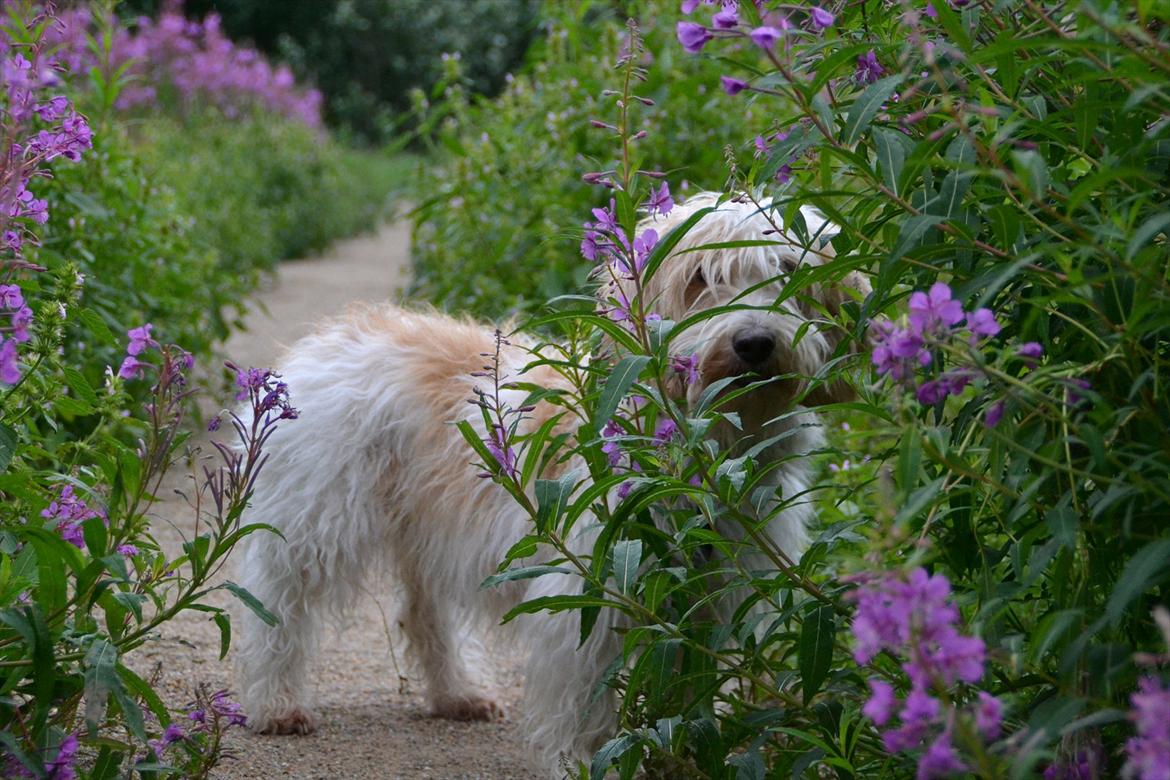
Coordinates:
[272,661]
[433,630]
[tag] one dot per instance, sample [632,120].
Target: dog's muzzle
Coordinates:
[754,346]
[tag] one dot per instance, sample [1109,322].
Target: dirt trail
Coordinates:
[373,723]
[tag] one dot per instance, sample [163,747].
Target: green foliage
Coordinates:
[497,227]
[1024,163]
[263,189]
[121,226]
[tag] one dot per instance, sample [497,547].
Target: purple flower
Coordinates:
[821,18]
[1147,753]
[880,707]
[625,488]
[128,550]
[689,6]
[940,759]
[930,12]
[988,716]
[994,414]
[21,319]
[930,312]
[765,37]
[70,512]
[140,339]
[784,173]
[9,370]
[1083,766]
[726,19]
[61,767]
[11,296]
[612,447]
[606,219]
[1030,352]
[591,249]
[687,366]
[131,368]
[732,86]
[643,245]
[869,69]
[497,444]
[1076,385]
[693,37]
[665,431]
[659,202]
[982,324]
[225,708]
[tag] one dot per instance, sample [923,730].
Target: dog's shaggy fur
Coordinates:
[374,473]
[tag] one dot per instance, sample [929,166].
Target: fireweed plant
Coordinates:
[82,581]
[979,598]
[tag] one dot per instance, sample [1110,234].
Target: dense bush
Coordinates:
[263,189]
[82,582]
[366,55]
[499,207]
[985,595]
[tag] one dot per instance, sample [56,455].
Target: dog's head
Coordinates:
[764,331]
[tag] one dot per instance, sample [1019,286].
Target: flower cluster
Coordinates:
[40,127]
[913,618]
[776,27]
[139,341]
[61,767]
[15,332]
[937,322]
[69,512]
[195,60]
[267,393]
[1148,752]
[203,715]
[500,418]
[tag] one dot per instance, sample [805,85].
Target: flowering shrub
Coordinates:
[183,64]
[1001,484]
[82,581]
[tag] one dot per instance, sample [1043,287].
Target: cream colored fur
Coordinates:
[374,474]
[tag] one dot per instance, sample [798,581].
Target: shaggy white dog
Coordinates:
[374,473]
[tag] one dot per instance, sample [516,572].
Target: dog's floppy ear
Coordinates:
[852,287]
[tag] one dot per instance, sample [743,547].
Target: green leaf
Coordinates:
[522,573]
[251,602]
[890,146]
[626,556]
[80,387]
[1144,570]
[552,496]
[7,446]
[624,374]
[865,108]
[555,604]
[101,679]
[224,621]
[611,751]
[1151,227]
[912,232]
[815,654]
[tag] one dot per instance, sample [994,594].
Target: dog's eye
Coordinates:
[695,286]
[698,280]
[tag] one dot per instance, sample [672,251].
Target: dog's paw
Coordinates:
[296,722]
[468,708]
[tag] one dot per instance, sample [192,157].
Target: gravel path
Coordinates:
[374,721]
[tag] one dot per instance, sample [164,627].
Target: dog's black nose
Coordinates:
[753,345]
